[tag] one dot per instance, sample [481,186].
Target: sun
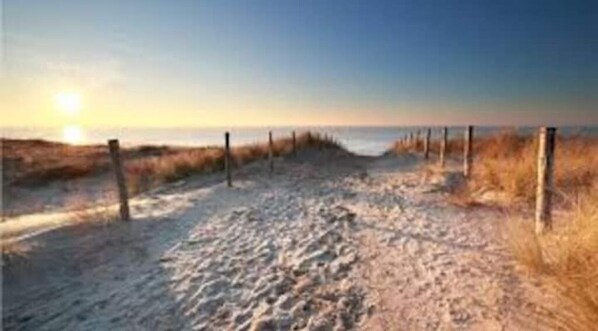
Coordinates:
[68,102]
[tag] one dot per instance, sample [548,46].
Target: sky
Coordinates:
[327,62]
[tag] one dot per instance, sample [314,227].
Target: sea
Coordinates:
[357,139]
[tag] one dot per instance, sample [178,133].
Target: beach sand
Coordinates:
[329,241]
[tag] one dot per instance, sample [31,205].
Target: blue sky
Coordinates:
[152,63]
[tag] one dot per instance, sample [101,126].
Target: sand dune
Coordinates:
[328,242]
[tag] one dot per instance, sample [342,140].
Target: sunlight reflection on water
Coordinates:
[73,134]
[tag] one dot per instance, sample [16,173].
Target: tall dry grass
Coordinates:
[145,173]
[454,146]
[506,162]
[37,162]
[566,258]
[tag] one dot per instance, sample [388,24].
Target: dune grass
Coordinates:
[506,162]
[149,172]
[567,258]
[37,162]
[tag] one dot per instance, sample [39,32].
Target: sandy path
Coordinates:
[427,265]
[273,252]
[335,243]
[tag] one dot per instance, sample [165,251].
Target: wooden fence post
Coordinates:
[270,152]
[227,159]
[546,147]
[123,195]
[468,152]
[443,145]
[294,144]
[427,144]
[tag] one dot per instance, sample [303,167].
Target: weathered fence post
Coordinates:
[443,145]
[546,147]
[227,159]
[270,152]
[294,144]
[427,144]
[418,140]
[468,152]
[123,195]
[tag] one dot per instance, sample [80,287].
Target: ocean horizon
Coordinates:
[363,140]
